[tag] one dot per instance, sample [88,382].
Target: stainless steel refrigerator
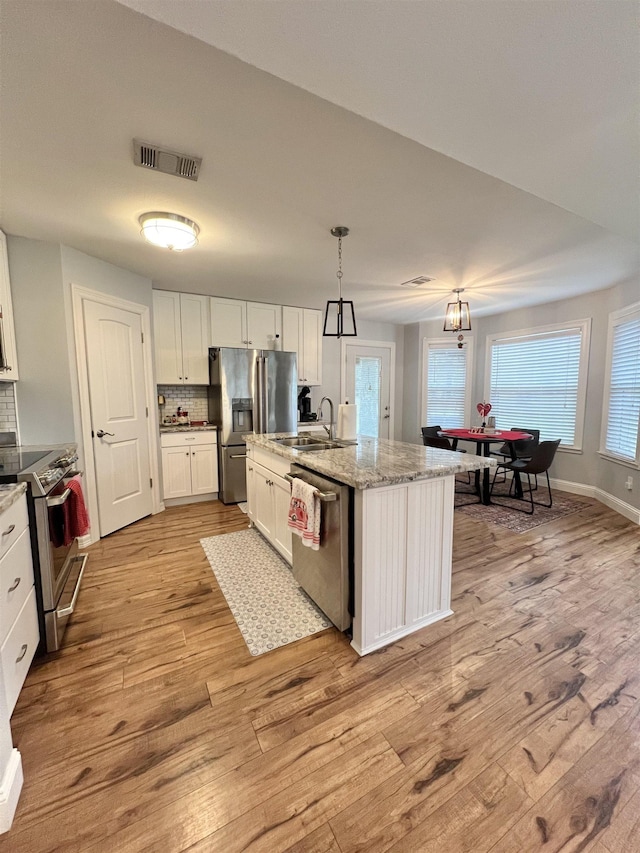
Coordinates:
[249,391]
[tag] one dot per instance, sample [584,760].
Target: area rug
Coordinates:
[269,607]
[515,520]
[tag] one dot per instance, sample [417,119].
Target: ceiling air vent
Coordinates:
[416,282]
[164,160]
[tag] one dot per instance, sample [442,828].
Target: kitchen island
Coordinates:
[402,497]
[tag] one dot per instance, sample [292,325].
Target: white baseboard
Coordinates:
[392,636]
[10,787]
[617,505]
[190,499]
[625,509]
[84,541]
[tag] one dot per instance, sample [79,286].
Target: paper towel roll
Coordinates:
[347,417]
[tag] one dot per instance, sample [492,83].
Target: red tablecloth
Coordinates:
[499,435]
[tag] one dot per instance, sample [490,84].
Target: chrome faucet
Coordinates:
[330,429]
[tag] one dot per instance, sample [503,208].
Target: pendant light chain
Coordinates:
[339,273]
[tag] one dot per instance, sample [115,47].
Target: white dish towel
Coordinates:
[304,513]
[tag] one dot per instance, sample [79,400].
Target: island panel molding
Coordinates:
[402,560]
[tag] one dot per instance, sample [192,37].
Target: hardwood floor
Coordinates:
[512,726]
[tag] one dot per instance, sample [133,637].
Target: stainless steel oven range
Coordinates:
[58,566]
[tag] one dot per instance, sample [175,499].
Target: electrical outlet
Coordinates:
[629,483]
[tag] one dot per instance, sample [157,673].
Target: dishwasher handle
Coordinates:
[325,497]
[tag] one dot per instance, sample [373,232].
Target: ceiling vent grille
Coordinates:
[164,160]
[416,282]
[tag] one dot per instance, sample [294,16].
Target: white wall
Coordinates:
[41,277]
[43,392]
[587,467]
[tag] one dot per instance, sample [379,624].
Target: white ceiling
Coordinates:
[282,165]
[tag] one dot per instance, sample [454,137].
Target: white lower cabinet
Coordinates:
[189,464]
[19,638]
[268,496]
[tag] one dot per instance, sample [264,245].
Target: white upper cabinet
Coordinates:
[228,322]
[302,333]
[264,326]
[181,338]
[251,325]
[8,358]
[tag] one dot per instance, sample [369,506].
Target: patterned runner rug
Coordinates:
[269,607]
[512,519]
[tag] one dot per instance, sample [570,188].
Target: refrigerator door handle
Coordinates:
[261,392]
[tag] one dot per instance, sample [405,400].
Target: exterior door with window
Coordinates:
[368,385]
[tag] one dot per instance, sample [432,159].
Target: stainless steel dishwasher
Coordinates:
[325,574]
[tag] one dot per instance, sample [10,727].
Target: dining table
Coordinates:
[483,441]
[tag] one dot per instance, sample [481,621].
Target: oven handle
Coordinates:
[61,499]
[67,611]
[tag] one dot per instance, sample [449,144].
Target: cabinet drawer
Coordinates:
[12,522]
[16,581]
[277,464]
[186,439]
[19,648]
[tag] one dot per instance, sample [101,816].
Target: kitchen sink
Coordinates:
[306,442]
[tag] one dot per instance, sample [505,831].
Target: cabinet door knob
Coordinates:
[23,652]
[9,530]
[15,586]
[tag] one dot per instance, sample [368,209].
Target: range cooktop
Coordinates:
[40,466]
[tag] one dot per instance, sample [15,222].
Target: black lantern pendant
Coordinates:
[457,317]
[339,316]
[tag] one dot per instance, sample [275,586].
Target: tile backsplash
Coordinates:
[8,418]
[192,398]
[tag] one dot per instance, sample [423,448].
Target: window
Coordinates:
[537,378]
[446,383]
[621,411]
[367,386]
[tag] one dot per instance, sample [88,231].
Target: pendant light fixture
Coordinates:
[457,317]
[339,316]
[169,230]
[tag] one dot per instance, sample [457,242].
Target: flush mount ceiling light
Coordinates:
[457,317]
[339,316]
[169,230]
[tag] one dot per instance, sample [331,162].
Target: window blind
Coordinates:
[624,391]
[446,386]
[535,382]
[367,389]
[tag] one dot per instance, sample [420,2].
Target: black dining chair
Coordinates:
[539,463]
[523,448]
[431,438]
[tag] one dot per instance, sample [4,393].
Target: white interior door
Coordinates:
[368,385]
[115,369]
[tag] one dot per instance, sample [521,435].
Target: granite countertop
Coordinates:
[376,461]
[10,493]
[187,428]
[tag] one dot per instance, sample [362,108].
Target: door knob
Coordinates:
[102,433]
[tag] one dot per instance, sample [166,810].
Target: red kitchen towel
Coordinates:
[304,513]
[76,517]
